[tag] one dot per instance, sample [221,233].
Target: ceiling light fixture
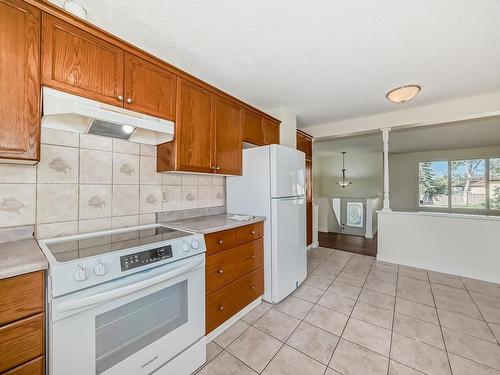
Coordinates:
[403,94]
[343,182]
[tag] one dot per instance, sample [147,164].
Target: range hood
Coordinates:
[73,113]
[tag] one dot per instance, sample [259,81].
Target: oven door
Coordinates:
[132,325]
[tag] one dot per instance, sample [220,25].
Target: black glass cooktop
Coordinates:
[68,250]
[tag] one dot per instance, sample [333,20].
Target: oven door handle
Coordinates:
[131,288]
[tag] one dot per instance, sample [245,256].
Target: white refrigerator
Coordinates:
[273,185]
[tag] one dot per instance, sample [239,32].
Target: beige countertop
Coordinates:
[210,223]
[19,257]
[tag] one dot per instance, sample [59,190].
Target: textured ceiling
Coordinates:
[327,60]
[464,134]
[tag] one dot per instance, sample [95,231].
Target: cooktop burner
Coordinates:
[82,246]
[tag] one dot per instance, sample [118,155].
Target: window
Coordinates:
[494,181]
[433,183]
[469,184]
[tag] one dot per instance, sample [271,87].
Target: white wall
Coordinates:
[372,206]
[288,127]
[364,170]
[403,172]
[464,245]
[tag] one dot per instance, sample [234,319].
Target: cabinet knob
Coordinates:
[221,242]
[129,100]
[252,256]
[217,168]
[252,287]
[120,97]
[220,307]
[221,271]
[252,232]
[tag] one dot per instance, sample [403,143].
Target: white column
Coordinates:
[385,138]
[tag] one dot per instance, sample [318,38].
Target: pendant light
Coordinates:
[343,182]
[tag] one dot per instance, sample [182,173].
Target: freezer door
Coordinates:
[287,172]
[289,258]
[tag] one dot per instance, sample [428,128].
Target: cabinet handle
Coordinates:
[221,271]
[252,256]
[252,287]
[220,307]
[217,168]
[120,97]
[129,100]
[221,242]
[252,232]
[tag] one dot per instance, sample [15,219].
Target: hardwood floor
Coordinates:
[353,244]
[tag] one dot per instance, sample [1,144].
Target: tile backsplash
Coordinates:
[85,183]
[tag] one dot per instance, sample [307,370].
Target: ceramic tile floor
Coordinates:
[354,316]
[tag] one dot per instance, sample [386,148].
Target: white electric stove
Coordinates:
[126,301]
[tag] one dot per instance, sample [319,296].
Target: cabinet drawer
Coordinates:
[34,367]
[225,267]
[21,341]
[226,302]
[249,232]
[218,241]
[21,296]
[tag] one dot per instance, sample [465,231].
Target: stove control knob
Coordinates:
[81,273]
[185,246]
[195,244]
[100,268]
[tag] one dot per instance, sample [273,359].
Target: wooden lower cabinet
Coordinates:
[34,367]
[22,324]
[234,272]
[224,303]
[227,266]
[21,341]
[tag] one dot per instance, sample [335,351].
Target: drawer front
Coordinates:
[218,241]
[224,303]
[21,296]
[34,367]
[229,265]
[249,232]
[21,341]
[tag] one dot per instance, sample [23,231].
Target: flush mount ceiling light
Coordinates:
[403,94]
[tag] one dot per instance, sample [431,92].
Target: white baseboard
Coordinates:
[228,323]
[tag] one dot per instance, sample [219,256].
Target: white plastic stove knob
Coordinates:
[81,273]
[100,268]
[195,244]
[185,246]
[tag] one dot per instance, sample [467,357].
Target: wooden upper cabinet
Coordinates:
[19,80]
[304,144]
[228,136]
[252,128]
[80,63]
[271,132]
[194,128]
[149,88]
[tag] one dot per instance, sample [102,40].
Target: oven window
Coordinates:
[127,329]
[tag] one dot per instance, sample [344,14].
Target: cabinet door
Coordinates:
[19,80]
[309,216]
[271,132]
[304,144]
[80,63]
[194,128]
[252,128]
[228,136]
[308,180]
[149,88]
